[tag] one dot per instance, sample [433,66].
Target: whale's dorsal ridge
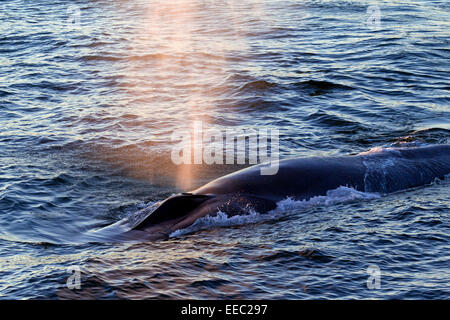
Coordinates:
[174,207]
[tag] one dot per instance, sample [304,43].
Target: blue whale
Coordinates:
[380,170]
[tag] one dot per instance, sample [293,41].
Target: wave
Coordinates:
[332,120]
[316,87]
[257,85]
[101,57]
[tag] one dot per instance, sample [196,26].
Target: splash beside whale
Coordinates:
[381,170]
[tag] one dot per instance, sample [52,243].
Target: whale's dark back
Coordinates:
[383,171]
[398,169]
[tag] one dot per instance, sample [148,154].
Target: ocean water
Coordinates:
[91,92]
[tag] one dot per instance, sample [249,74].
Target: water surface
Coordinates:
[86,117]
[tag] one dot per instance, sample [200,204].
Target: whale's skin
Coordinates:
[383,171]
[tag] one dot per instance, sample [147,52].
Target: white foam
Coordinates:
[335,196]
[395,147]
[380,150]
[221,219]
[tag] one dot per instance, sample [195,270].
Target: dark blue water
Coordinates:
[88,103]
